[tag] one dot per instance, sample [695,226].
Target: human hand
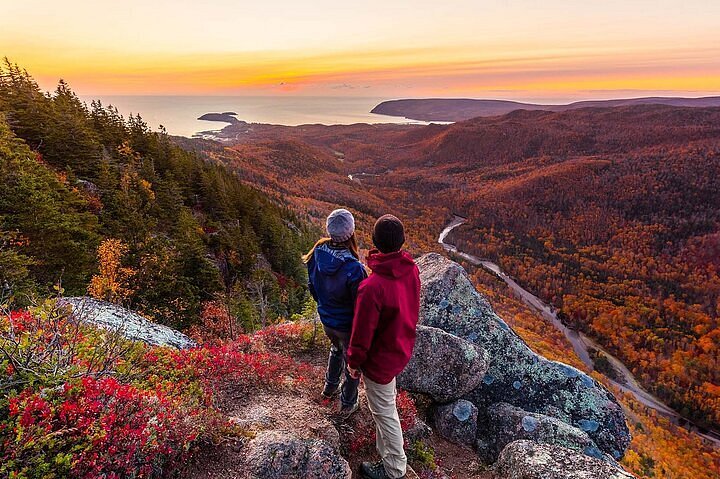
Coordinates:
[354,373]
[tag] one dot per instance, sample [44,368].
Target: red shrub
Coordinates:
[286,337]
[81,422]
[99,428]
[229,362]
[406,410]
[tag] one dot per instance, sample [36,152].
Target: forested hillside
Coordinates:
[613,217]
[610,214]
[627,248]
[95,202]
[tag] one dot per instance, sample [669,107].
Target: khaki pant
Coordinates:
[381,400]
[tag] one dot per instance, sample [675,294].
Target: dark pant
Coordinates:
[337,362]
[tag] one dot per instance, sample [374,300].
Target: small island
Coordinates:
[225,117]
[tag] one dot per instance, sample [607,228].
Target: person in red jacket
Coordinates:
[383,337]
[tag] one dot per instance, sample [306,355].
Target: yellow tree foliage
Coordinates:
[112,282]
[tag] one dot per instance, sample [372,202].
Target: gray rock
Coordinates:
[290,412]
[457,421]
[88,186]
[530,460]
[516,374]
[552,411]
[128,323]
[506,423]
[281,455]
[443,366]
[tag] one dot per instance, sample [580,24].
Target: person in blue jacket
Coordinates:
[334,273]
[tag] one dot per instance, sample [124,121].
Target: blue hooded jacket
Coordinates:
[334,276]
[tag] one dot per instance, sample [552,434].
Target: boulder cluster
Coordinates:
[492,392]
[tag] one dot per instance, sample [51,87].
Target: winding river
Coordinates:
[358,176]
[582,344]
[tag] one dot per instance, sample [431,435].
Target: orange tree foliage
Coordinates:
[659,449]
[112,283]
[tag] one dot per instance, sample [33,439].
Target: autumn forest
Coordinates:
[611,215]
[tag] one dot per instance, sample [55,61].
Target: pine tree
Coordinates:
[58,232]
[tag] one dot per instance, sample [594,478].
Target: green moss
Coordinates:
[424,454]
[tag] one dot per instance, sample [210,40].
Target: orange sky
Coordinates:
[520,49]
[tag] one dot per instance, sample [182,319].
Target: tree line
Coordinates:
[92,201]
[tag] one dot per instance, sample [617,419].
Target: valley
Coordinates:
[607,214]
[581,206]
[582,345]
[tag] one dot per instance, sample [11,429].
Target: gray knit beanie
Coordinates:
[340,225]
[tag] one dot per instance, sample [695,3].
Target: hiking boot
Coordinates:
[329,392]
[347,411]
[374,470]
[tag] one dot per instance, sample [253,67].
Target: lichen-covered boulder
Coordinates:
[457,421]
[505,423]
[128,323]
[281,455]
[516,374]
[530,460]
[443,366]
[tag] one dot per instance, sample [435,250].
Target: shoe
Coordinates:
[374,470]
[329,393]
[347,411]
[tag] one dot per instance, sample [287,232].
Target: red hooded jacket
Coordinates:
[386,314]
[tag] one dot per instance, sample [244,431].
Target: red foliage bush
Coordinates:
[137,416]
[232,362]
[99,428]
[287,337]
[406,410]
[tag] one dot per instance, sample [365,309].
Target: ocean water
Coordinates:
[178,114]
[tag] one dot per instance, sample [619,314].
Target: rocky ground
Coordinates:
[300,435]
[497,410]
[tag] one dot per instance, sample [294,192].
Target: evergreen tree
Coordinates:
[57,231]
[75,176]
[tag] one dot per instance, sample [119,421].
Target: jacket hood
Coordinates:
[393,265]
[329,260]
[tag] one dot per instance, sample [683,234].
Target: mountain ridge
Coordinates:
[459,109]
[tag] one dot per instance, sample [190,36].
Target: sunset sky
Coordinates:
[519,49]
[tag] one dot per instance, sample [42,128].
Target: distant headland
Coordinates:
[459,109]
